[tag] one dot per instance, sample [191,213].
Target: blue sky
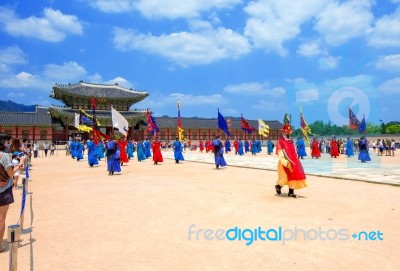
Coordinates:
[260,58]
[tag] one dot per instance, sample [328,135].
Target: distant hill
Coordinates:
[10,106]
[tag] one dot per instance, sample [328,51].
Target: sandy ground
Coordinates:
[79,218]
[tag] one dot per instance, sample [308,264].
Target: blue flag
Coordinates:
[362,127]
[222,124]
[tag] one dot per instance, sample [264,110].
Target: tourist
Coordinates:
[45,148]
[290,169]
[392,147]
[7,171]
[35,149]
[52,148]
[16,162]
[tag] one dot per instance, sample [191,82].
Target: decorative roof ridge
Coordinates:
[116,85]
[61,106]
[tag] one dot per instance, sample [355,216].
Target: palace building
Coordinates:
[57,123]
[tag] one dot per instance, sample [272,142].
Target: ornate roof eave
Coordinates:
[69,93]
[68,117]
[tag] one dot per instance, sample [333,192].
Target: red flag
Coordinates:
[246,126]
[94,105]
[353,121]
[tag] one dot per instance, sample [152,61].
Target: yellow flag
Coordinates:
[263,128]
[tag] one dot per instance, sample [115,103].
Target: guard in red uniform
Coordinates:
[334,148]
[156,148]
[290,169]
[315,152]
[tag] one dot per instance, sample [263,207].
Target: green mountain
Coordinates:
[10,106]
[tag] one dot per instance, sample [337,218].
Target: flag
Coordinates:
[94,105]
[119,122]
[353,121]
[180,130]
[263,128]
[151,124]
[362,128]
[305,129]
[86,122]
[76,122]
[246,126]
[222,124]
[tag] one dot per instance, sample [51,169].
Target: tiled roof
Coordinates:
[197,123]
[100,113]
[27,119]
[99,91]
[31,119]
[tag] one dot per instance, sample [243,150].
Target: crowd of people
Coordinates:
[15,155]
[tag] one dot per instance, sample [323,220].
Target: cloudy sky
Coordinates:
[260,58]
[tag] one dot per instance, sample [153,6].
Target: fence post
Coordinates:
[14,232]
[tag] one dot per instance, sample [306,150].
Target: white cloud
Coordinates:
[364,82]
[171,100]
[248,88]
[339,22]
[390,87]
[69,72]
[309,49]
[16,95]
[23,80]
[266,105]
[121,82]
[389,63]
[188,99]
[231,112]
[172,9]
[255,88]
[12,55]
[328,62]
[271,23]
[52,27]
[307,95]
[185,48]
[113,6]
[387,31]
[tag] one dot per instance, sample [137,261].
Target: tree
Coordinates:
[393,129]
